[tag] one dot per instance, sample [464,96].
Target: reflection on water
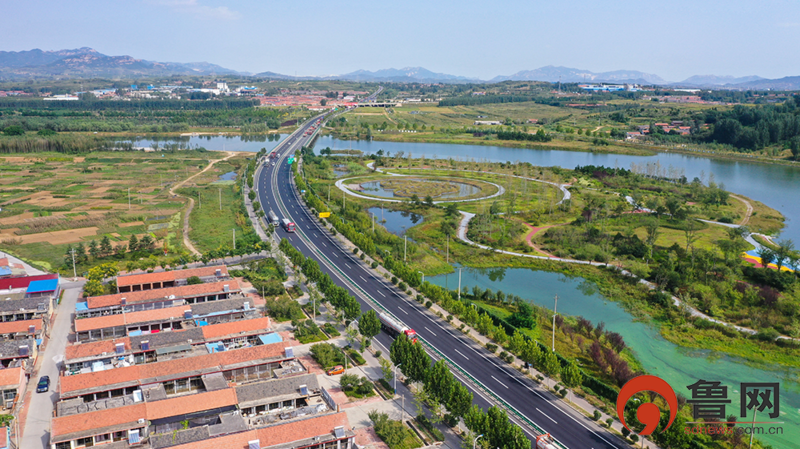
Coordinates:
[249,143]
[395,221]
[679,366]
[230,176]
[377,189]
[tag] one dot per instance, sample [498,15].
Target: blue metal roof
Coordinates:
[44,285]
[81,307]
[5,271]
[270,338]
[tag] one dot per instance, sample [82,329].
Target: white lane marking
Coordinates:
[334,255]
[546,415]
[403,310]
[429,330]
[362,278]
[381,293]
[323,243]
[459,352]
[501,383]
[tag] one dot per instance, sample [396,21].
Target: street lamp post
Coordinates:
[476,440]
[555,306]
[423,276]
[395,377]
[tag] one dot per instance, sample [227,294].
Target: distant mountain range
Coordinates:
[554,74]
[89,63]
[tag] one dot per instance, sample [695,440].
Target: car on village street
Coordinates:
[338,369]
[43,385]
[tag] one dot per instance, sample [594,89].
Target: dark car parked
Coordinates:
[43,385]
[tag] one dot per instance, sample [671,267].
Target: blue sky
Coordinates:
[674,39]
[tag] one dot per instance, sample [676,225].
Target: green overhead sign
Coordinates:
[290,160]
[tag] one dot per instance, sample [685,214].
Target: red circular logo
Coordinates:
[647,413]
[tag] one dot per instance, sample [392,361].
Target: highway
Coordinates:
[276,192]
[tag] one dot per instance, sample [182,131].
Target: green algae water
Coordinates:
[677,365]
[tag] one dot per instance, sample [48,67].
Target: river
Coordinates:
[677,365]
[772,184]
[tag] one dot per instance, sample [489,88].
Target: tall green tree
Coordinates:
[571,375]
[80,253]
[94,249]
[460,399]
[105,246]
[133,243]
[369,325]
[550,364]
[438,381]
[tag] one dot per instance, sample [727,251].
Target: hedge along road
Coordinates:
[523,396]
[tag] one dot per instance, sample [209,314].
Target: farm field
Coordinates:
[52,202]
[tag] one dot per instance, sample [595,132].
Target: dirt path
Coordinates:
[597,129]
[186,240]
[386,114]
[749,212]
[535,230]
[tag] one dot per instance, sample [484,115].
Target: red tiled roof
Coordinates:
[184,405]
[235,356]
[164,276]
[103,322]
[177,366]
[16,327]
[10,376]
[3,436]
[299,430]
[234,327]
[81,350]
[78,382]
[183,291]
[168,369]
[234,441]
[81,422]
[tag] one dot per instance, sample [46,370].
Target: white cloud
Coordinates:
[194,8]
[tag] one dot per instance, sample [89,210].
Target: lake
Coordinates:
[252,144]
[395,221]
[677,365]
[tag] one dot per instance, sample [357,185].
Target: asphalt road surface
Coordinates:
[276,192]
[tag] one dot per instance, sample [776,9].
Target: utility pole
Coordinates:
[234,239]
[459,282]
[405,243]
[423,276]
[220,199]
[555,306]
[373,223]
[395,377]
[447,252]
[329,193]
[74,271]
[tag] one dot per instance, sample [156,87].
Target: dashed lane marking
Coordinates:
[546,415]
[501,383]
